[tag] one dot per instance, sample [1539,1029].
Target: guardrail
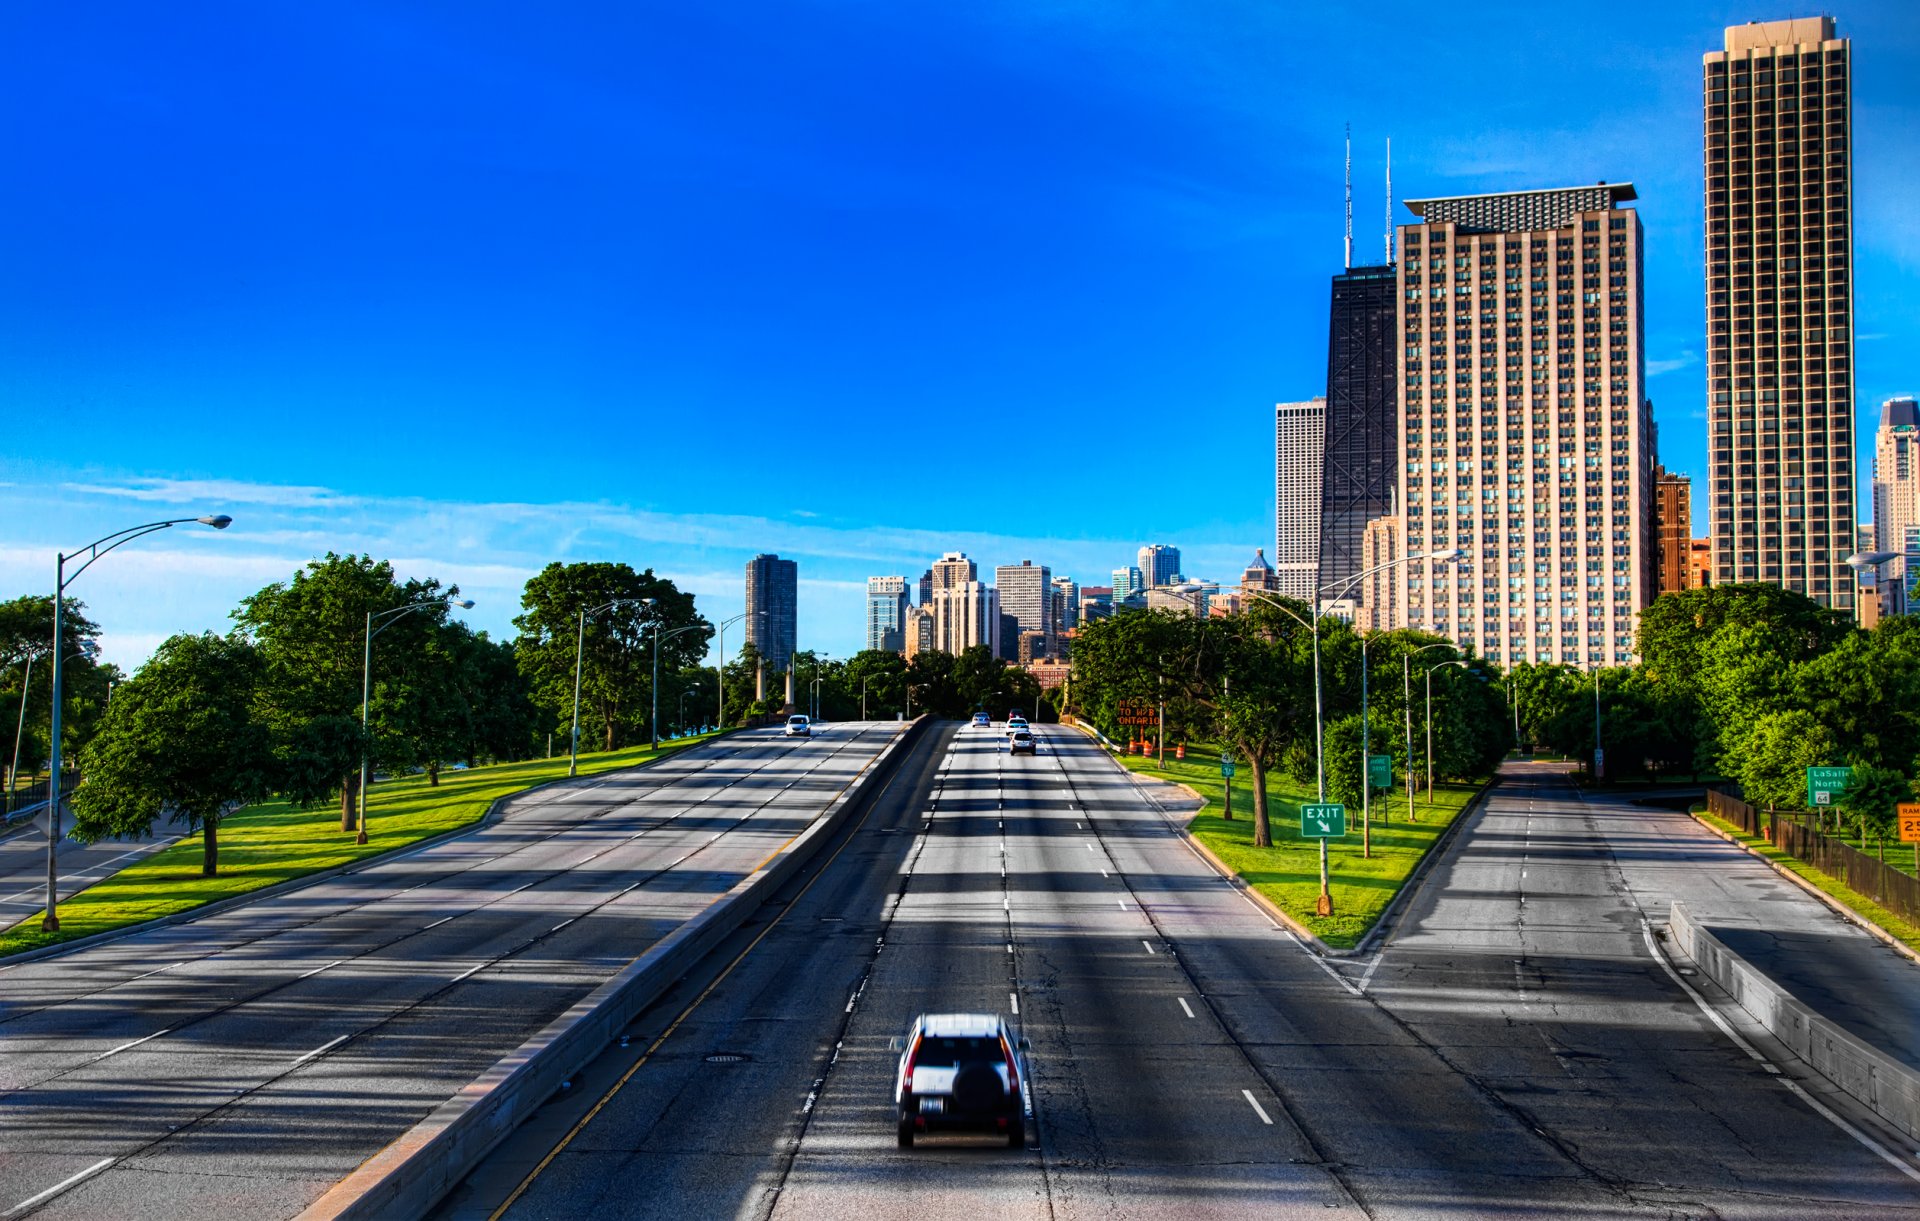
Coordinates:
[1892,889]
[414,1172]
[1886,1086]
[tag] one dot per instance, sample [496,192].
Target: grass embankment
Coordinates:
[275,841]
[1288,873]
[1903,931]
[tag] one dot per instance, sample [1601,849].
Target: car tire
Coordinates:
[906,1133]
[1017,1135]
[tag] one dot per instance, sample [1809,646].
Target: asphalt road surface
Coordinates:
[1516,1051]
[23,864]
[240,1064]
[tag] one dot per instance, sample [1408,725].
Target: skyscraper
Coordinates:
[1779,220]
[1127,583]
[887,613]
[1066,604]
[1299,436]
[1026,593]
[1527,436]
[1159,564]
[1896,497]
[773,586]
[951,570]
[966,615]
[1672,531]
[1362,419]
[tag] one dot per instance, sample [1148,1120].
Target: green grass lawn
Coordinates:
[1902,930]
[275,841]
[1289,872]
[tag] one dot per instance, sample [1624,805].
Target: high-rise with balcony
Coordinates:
[887,613]
[1896,499]
[1779,266]
[1526,441]
[773,586]
[1299,437]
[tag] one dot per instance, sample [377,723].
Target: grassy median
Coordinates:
[1289,872]
[274,842]
[1901,930]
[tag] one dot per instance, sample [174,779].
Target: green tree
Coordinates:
[885,675]
[1872,793]
[616,673]
[1771,756]
[26,672]
[311,633]
[181,742]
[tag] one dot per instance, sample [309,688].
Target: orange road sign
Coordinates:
[1908,813]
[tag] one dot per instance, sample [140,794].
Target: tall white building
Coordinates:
[1026,593]
[1299,447]
[966,615]
[887,613]
[1525,431]
[1896,498]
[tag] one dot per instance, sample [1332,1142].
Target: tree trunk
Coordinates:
[210,847]
[1262,829]
[433,775]
[349,802]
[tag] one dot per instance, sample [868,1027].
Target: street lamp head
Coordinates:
[1871,559]
[218,521]
[462,603]
[1445,557]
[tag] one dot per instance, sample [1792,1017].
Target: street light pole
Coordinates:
[1406,682]
[720,670]
[20,730]
[366,688]
[1430,672]
[579,654]
[1599,764]
[657,637]
[50,923]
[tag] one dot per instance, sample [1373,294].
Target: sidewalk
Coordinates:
[1832,966]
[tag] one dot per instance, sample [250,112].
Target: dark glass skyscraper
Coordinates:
[1363,439]
[773,586]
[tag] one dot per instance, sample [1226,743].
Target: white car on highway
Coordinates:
[798,726]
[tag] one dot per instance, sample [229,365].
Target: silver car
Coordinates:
[962,1072]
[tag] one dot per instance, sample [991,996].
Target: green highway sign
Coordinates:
[1323,821]
[1380,771]
[1226,768]
[1827,785]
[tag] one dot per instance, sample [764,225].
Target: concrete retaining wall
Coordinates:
[411,1175]
[1883,1084]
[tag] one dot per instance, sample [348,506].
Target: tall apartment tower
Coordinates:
[1896,499]
[1026,594]
[1159,564]
[1299,437]
[1363,429]
[966,615]
[1779,204]
[887,613]
[950,571]
[1066,605]
[773,586]
[1672,531]
[1526,435]
[1127,583]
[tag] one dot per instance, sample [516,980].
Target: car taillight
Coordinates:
[913,1053]
[1013,1068]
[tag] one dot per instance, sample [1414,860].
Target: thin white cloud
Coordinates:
[216,493]
[1685,360]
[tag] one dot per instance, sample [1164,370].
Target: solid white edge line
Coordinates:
[1700,1002]
[133,1043]
[336,962]
[470,970]
[1183,1005]
[323,1048]
[1257,1108]
[437,923]
[57,1188]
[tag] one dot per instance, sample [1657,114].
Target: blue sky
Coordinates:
[474,286]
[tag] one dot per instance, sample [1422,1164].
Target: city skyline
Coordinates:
[187,393]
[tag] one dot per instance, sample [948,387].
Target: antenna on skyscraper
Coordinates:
[1349,254]
[1389,201]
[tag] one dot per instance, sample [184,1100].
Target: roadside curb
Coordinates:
[413,1172]
[494,813]
[1839,908]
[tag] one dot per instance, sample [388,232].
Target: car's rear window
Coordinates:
[951,1052]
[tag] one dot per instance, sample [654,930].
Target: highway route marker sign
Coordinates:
[1907,814]
[1226,768]
[1380,771]
[1827,785]
[1327,821]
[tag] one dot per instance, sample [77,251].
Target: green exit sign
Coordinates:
[1327,821]
[1827,785]
[1380,771]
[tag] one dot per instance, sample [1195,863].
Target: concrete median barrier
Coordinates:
[412,1174]
[1886,1086]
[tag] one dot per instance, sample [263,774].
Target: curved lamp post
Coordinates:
[1406,680]
[579,651]
[61,579]
[720,717]
[385,618]
[1430,672]
[658,636]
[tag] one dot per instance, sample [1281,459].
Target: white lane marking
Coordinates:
[1373,966]
[30,1203]
[1184,1007]
[470,970]
[170,966]
[437,923]
[1257,1108]
[1090,848]
[321,1050]
[1700,1002]
[135,1043]
[1122,903]
[1105,874]
[1014,1000]
[1148,944]
[1078,827]
[564,923]
[324,966]
[1009,947]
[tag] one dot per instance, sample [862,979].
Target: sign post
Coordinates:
[1226,779]
[1323,821]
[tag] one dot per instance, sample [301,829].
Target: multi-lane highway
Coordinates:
[240,1064]
[23,864]
[1516,1050]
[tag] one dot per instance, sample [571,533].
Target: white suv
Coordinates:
[962,1072]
